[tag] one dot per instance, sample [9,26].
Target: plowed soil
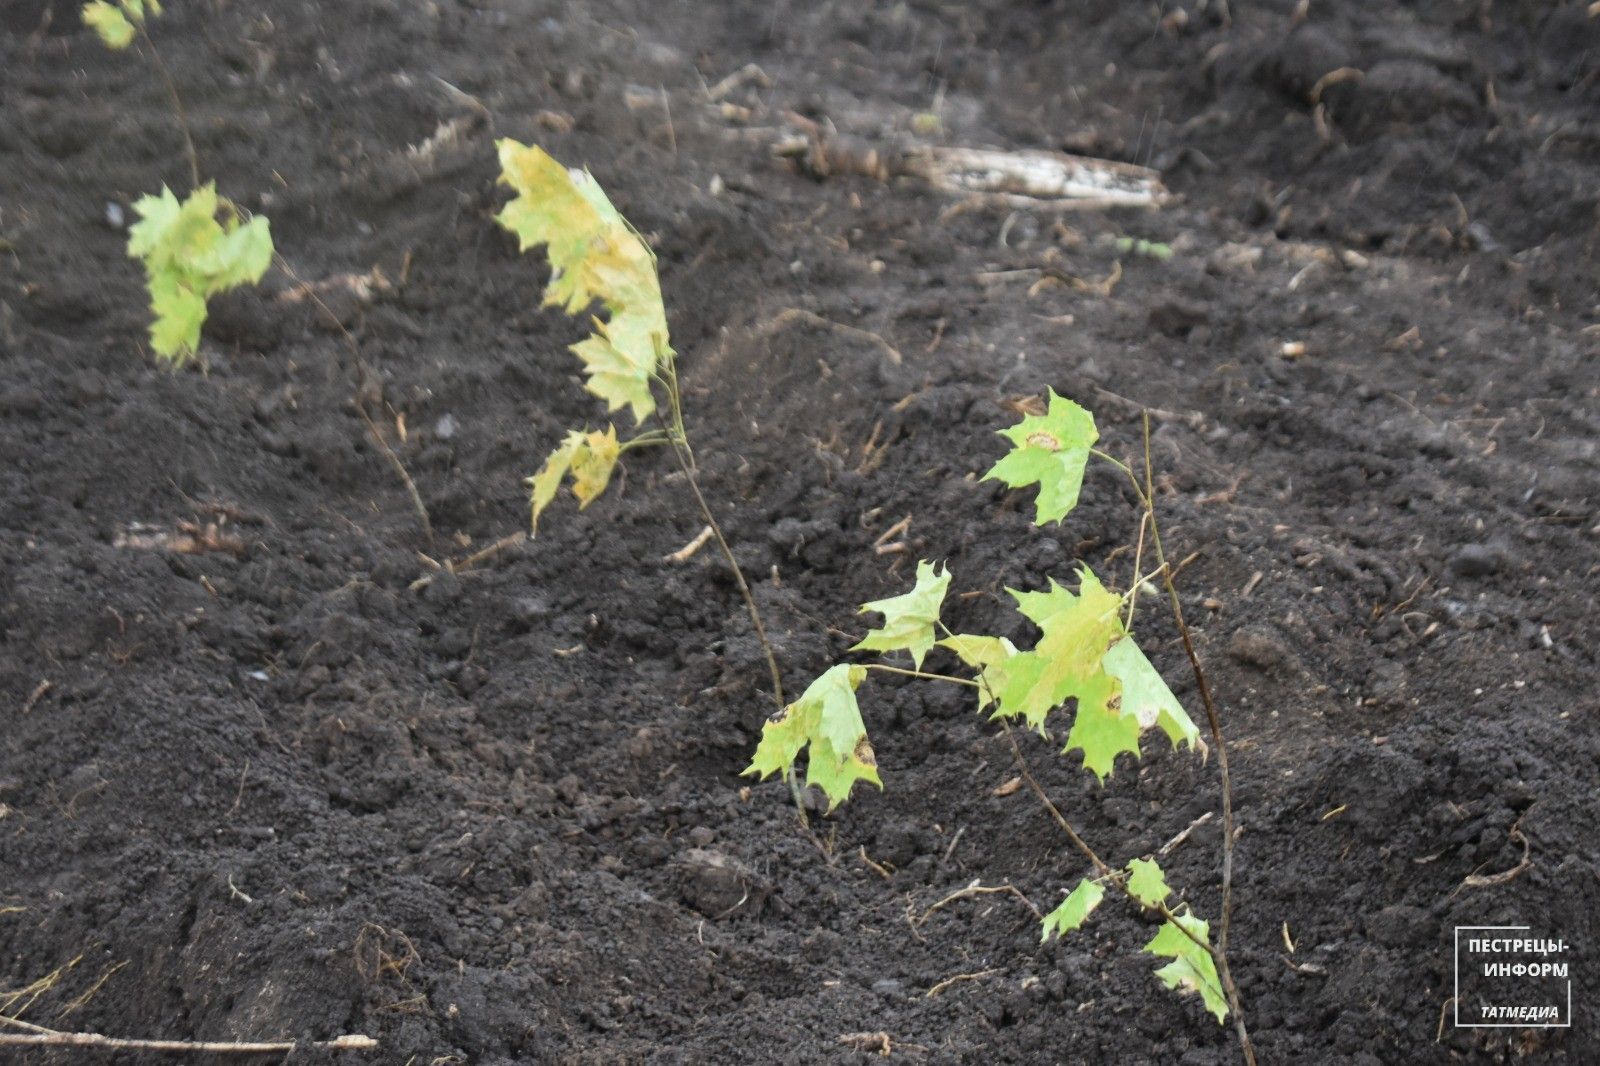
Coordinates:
[302,782]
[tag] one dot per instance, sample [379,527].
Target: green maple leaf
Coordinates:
[978,651]
[110,23]
[1100,729]
[1076,632]
[1075,909]
[1146,696]
[1050,450]
[190,256]
[179,314]
[827,719]
[987,655]
[1146,882]
[1192,968]
[595,257]
[908,619]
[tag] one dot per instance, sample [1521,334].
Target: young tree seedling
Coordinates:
[596,258]
[192,249]
[1085,653]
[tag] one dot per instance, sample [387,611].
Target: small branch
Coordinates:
[678,437]
[957,979]
[976,889]
[1116,877]
[400,469]
[924,675]
[685,462]
[177,106]
[361,406]
[39,1036]
[687,552]
[1055,812]
[1215,721]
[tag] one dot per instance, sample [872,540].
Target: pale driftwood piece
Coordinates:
[39,1036]
[1030,176]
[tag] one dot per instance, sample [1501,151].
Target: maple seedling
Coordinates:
[1085,654]
[118,23]
[193,249]
[598,260]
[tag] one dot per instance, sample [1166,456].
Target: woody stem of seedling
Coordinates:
[679,439]
[417,503]
[1148,496]
[924,675]
[1106,873]
[177,106]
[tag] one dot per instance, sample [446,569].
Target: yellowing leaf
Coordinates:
[1075,909]
[1077,630]
[1146,882]
[978,651]
[110,23]
[1192,968]
[588,457]
[908,619]
[190,256]
[986,655]
[592,465]
[1146,696]
[826,719]
[1050,450]
[547,481]
[595,257]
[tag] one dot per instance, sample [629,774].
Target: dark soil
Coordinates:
[292,790]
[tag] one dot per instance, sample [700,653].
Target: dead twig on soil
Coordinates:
[1181,837]
[957,979]
[1477,880]
[687,552]
[797,314]
[37,694]
[978,889]
[39,1036]
[190,539]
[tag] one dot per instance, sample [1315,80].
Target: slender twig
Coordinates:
[1215,721]
[738,574]
[1116,877]
[400,469]
[1055,812]
[923,674]
[361,405]
[177,105]
[39,1036]
[977,889]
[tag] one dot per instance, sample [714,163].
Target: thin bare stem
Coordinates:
[1055,812]
[684,462]
[924,675]
[685,455]
[417,503]
[1116,877]
[1215,722]
[1138,559]
[177,106]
